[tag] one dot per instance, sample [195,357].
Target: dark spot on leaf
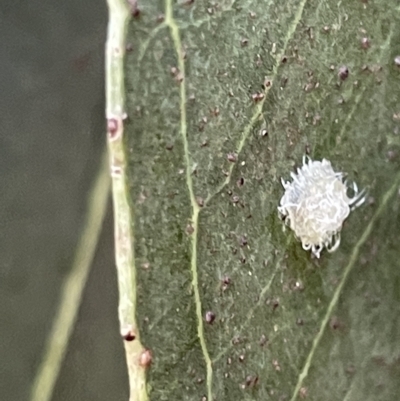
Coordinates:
[335,323]
[267,82]
[275,303]
[244,42]
[169,146]
[145,358]
[392,155]
[251,381]
[257,97]
[303,392]
[133,8]
[326,29]
[243,241]
[112,127]
[189,229]
[232,157]
[264,133]
[200,201]
[283,59]
[240,182]
[263,340]
[160,18]
[241,358]
[129,47]
[225,282]
[210,317]
[128,333]
[276,365]
[343,72]
[235,199]
[365,43]
[299,322]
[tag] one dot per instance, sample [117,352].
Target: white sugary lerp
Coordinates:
[315,204]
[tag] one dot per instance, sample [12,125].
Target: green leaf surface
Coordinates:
[224,98]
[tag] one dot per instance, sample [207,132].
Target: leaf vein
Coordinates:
[259,107]
[175,35]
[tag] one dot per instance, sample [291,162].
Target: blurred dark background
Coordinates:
[51,141]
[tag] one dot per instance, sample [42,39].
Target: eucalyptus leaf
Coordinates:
[224,98]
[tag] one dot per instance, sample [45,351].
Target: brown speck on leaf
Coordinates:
[169,146]
[160,18]
[397,61]
[210,317]
[267,82]
[232,157]
[241,358]
[145,358]
[189,229]
[226,281]
[235,199]
[303,392]
[264,133]
[343,72]
[192,97]
[240,182]
[204,143]
[365,43]
[307,149]
[251,381]
[128,333]
[134,9]
[129,47]
[335,323]
[283,59]
[275,364]
[309,87]
[200,201]
[243,241]
[145,265]
[263,340]
[257,97]
[112,127]
[326,29]
[178,76]
[252,14]
[244,42]
[215,112]
[391,155]
[275,303]
[299,322]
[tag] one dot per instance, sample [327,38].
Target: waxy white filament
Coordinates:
[315,205]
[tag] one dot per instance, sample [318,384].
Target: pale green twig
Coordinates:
[137,357]
[72,289]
